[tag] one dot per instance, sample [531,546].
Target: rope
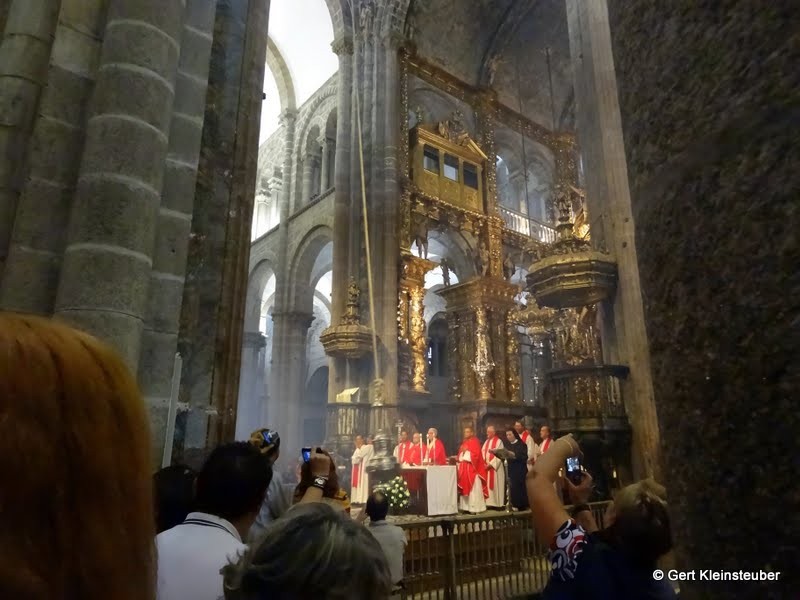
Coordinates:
[366,239]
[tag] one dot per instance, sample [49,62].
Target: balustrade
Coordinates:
[523,224]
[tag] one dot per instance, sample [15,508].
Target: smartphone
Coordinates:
[574,470]
[306,454]
[269,436]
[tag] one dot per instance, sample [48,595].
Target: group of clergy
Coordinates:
[481,477]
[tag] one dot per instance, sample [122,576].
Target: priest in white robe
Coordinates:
[530,443]
[359,480]
[495,474]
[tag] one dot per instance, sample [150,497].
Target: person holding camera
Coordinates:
[616,562]
[278,498]
[313,477]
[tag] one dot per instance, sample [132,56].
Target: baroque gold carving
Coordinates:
[349,338]
[418,342]
[513,377]
[483,365]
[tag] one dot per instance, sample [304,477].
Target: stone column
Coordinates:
[289,371]
[608,200]
[109,255]
[212,315]
[308,178]
[24,56]
[324,178]
[160,336]
[30,279]
[712,164]
[338,375]
[248,413]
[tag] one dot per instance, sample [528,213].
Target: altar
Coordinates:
[433,489]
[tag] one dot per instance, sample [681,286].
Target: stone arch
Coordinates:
[341,17]
[516,13]
[283,76]
[302,265]
[259,276]
[329,93]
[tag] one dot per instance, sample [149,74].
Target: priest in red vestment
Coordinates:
[402,452]
[415,453]
[433,452]
[472,486]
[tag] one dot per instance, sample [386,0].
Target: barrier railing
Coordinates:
[493,556]
[523,224]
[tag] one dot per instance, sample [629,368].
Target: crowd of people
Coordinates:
[82,516]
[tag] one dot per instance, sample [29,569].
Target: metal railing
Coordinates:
[493,556]
[587,391]
[523,224]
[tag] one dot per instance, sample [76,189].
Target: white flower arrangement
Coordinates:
[396,492]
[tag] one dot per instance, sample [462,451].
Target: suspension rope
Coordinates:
[370,292]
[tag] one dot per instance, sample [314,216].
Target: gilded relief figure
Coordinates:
[509,268]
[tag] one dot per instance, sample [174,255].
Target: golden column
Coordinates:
[412,312]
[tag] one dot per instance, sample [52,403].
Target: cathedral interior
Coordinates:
[492,210]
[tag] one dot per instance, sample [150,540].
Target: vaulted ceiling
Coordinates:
[502,43]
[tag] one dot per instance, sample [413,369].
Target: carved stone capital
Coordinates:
[342,45]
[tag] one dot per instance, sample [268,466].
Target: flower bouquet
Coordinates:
[397,493]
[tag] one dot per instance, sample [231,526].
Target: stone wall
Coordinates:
[709,106]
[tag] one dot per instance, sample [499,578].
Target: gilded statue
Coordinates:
[421,235]
[482,259]
[454,129]
[351,313]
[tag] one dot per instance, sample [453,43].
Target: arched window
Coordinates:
[437,348]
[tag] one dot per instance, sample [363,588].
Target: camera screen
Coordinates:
[306,453]
[573,464]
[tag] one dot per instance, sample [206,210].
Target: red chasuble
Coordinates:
[437,455]
[545,445]
[467,471]
[414,455]
[403,452]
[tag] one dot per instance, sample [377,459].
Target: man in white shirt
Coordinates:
[391,538]
[230,489]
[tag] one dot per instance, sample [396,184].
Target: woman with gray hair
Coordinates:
[313,552]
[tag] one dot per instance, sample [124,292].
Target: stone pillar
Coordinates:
[24,56]
[324,178]
[608,201]
[109,254]
[248,413]
[212,316]
[712,162]
[160,336]
[339,372]
[30,279]
[308,179]
[289,371]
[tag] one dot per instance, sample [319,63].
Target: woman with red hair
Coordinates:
[76,512]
